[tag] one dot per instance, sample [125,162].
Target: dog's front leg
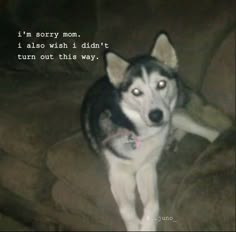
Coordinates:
[147,187]
[182,120]
[123,189]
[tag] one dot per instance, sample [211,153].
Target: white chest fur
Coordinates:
[149,150]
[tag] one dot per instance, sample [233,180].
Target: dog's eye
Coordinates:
[137,92]
[161,84]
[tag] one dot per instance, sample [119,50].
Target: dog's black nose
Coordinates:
[156,115]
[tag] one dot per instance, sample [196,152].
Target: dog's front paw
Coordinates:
[148,227]
[133,225]
[148,224]
[212,135]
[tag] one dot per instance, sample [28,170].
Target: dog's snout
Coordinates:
[156,115]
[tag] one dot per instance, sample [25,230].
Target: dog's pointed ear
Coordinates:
[116,67]
[164,51]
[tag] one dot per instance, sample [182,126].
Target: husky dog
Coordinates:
[128,116]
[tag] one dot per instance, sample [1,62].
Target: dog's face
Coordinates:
[147,85]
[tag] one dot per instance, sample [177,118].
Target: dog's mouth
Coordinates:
[159,124]
[156,124]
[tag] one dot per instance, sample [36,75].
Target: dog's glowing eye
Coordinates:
[161,84]
[137,92]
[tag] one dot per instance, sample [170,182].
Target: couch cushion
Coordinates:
[205,198]
[219,83]
[36,113]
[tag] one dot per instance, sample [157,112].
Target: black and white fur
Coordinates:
[127,117]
